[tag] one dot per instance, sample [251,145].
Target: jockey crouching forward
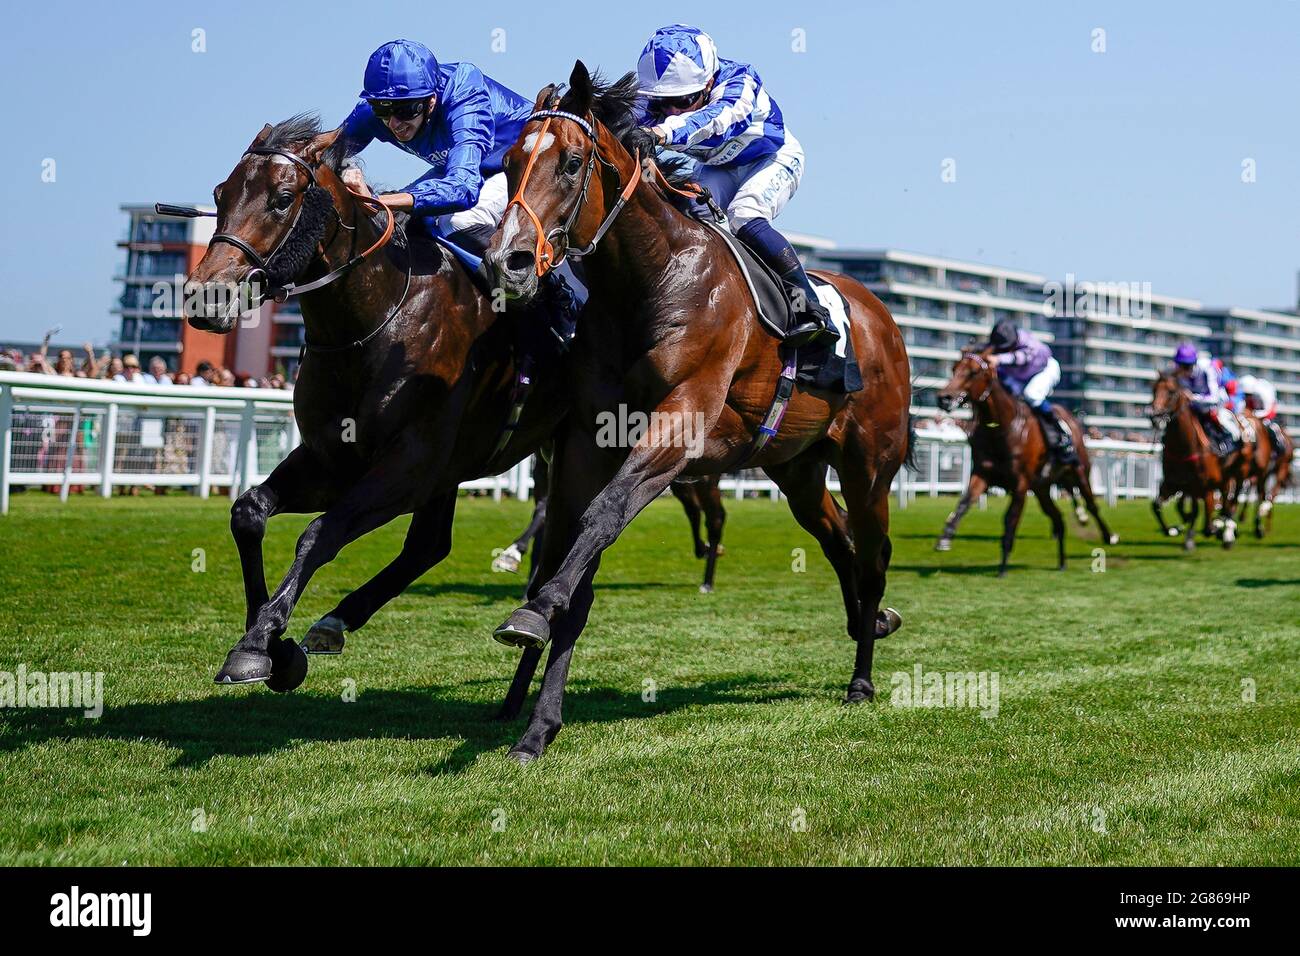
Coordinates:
[717,112]
[461,123]
[1198,375]
[1028,370]
[1261,398]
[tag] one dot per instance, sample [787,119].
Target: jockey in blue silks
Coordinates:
[1027,369]
[717,112]
[1198,374]
[458,121]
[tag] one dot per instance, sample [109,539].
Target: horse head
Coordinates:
[272,213]
[568,176]
[1166,398]
[974,374]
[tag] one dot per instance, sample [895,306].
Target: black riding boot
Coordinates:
[1059,442]
[810,323]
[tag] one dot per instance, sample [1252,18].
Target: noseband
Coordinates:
[544,254]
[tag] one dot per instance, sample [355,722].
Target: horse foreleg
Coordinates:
[976,487]
[1090,502]
[1044,495]
[715,516]
[428,542]
[296,485]
[1010,522]
[394,486]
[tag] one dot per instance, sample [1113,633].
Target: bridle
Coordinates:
[261,263]
[544,253]
[989,373]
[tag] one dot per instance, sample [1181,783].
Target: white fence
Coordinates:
[68,434]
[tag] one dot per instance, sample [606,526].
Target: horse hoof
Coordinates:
[288,666]
[943,544]
[521,756]
[887,622]
[244,667]
[1189,545]
[1081,515]
[706,588]
[1113,539]
[507,562]
[524,628]
[860,692]
[325,637]
[1002,572]
[1174,532]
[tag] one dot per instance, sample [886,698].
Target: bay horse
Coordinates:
[1192,469]
[700,498]
[1270,483]
[404,389]
[670,328]
[1008,450]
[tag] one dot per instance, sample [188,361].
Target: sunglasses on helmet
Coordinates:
[402,109]
[659,104]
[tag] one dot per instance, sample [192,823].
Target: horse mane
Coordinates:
[617,105]
[300,129]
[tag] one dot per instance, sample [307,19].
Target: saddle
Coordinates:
[775,312]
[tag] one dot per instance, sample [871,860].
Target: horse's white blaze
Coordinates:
[510,226]
[531,140]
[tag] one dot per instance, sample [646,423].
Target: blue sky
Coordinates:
[1124,165]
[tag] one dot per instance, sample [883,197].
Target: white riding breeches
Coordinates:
[1229,422]
[493,198]
[1038,388]
[757,190]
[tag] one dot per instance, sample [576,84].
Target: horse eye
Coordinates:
[573,165]
[283,201]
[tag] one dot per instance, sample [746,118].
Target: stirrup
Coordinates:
[810,333]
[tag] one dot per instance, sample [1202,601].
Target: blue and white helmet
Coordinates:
[677,61]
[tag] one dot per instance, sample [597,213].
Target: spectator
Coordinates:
[204,374]
[158,372]
[130,370]
[226,378]
[182,378]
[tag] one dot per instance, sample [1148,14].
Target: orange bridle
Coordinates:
[544,251]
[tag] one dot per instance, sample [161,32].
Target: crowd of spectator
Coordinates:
[126,368]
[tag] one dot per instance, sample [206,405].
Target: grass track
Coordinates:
[1121,736]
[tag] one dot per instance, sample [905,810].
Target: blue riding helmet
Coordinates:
[401,70]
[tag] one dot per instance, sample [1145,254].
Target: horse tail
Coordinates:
[909,459]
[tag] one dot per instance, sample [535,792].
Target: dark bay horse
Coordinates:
[1008,451]
[700,498]
[1276,476]
[403,392]
[1192,469]
[670,328]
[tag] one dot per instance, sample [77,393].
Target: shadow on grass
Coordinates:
[258,722]
[511,588]
[1268,582]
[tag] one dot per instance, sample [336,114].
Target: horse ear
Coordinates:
[544,97]
[578,99]
[315,149]
[260,138]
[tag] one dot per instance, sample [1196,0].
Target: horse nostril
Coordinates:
[519,261]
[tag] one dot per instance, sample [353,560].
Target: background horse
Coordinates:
[403,391]
[1275,477]
[1191,468]
[700,498]
[670,328]
[1008,450]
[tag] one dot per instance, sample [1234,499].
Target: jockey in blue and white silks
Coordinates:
[718,112]
[461,123]
[1027,370]
[1199,374]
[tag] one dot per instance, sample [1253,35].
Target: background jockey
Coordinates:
[1261,398]
[1197,373]
[1232,395]
[1028,370]
[458,121]
[718,112]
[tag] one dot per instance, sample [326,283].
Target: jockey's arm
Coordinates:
[468,115]
[728,115]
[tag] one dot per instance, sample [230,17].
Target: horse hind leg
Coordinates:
[1044,496]
[715,516]
[976,487]
[1090,501]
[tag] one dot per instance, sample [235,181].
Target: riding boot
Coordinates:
[810,323]
[1059,441]
[560,305]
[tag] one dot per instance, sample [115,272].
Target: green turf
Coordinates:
[1121,737]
